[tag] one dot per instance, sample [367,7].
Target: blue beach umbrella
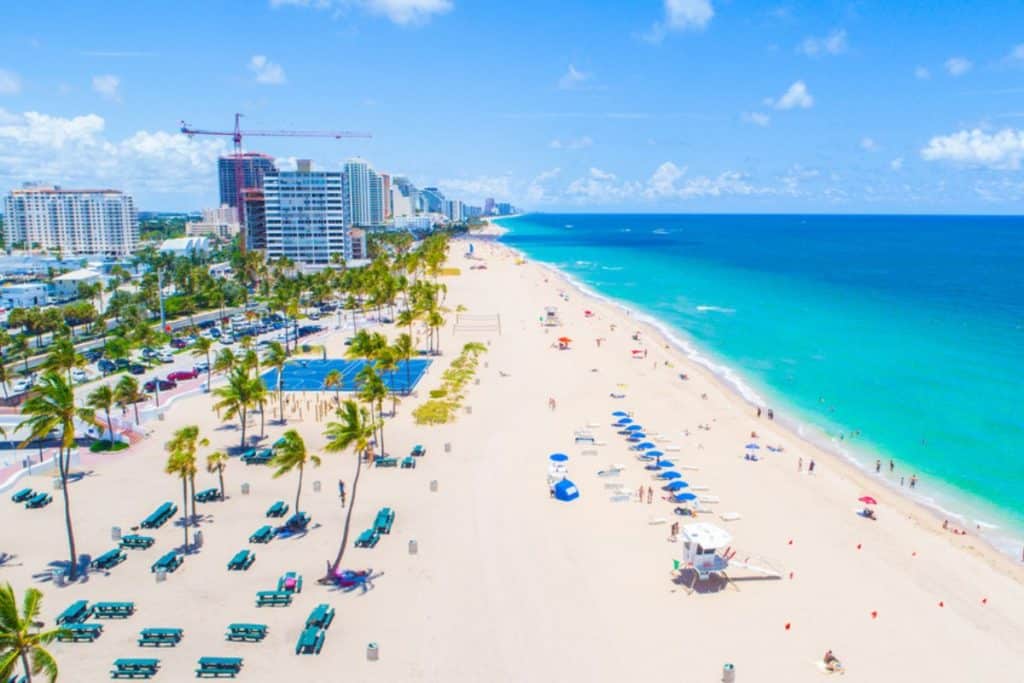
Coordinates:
[558,457]
[671,474]
[684,497]
[665,464]
[654,453]
[637,436]
[624,421]
[646,445]
[675,485]
[633,428]
[753,446]
[620,413]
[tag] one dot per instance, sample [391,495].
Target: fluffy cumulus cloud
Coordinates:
[108,86]
[600,187]
[896,164]
[958,66]
[572,143]
[539,190]
[402,12]
[77,151]
[671,182]
[10,82]
[1001,150]
[573,78]
[756,118]
[832,44]
[797,96]
[477,189]
[266,71]
[922,73]
[681,15]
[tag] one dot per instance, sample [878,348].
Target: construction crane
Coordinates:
[238,134]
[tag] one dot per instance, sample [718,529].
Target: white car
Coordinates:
[79,375]
[165,356]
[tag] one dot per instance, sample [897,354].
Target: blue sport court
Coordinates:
[308,375]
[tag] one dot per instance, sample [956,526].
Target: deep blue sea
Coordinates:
[883,336]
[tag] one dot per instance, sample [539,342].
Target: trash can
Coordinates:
[372,652]
[57,575]
[161,575]
[447,448]
[198,539]
[476,381]
[56,483]
[728,673]
[433,485]
[469,410]
[245,489]
[414,547]
[115,533]
[316,486]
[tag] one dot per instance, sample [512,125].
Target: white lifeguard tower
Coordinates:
[550,318]
[701,545]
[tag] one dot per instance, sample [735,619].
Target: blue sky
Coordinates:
[647,105]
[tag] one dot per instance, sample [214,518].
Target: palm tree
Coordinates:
[373,391]
[226,361]
[276,358]
[355,430]
[291,454]
[387,362]
[64,357]
[403,350]
[259,398]
[102,398]
[180,465]
[52,407]
[182,462]
[217,462]
[5,377]
[237,396]
[366,345]
[334,380]
[202,348]
[20,637]
[127,392]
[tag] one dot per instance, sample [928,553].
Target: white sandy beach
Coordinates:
[510,585]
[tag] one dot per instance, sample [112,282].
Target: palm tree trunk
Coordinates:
[298,492]
[280,396]
[192,483]
[136,407]
[184,510]
[220,475]
[110,428]
[263,418]
[348,515]
[242,413]
[64,464]
[380,413]
[24,664]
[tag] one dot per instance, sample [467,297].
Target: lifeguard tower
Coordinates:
[707,552]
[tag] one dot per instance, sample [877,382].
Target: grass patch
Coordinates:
[445,400]
[107,446]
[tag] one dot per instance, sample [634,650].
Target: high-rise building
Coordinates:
[255,234]
[386,195]
[306,219]
[433,200]
[504,209]
[254,167]
[71,221]
[489,206]
[376,198]
[454,210]
[357,173]
[221,222]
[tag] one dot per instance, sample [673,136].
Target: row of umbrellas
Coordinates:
[635,435]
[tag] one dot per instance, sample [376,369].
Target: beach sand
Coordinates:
[510,585]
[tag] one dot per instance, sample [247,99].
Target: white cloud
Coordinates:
[267,72]
[756,118]
[402,12]
[573,78]
[796,97]
[868,144]
[76,151]
[896,164]
[958,66]
[572,143]
[476,189]
[1016,55]
[107,85]
[10,82]
[1002,150]
[665,183]
[922,73]
[832,44]
[681,15]
[537,191]
[600,187]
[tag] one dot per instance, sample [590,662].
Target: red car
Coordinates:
[179,375]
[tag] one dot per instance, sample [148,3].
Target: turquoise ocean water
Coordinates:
[879,336]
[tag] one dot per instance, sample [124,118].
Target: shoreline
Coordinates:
[928,515]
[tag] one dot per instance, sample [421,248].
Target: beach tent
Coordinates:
[644,446]
[670,474]
[665,463]
[684,497]
[565,490]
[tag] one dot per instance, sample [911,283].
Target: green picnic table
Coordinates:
[215,667]
[109,559]
[23,495]
[39,500]
[208,495]
[386,462]
[247,632]
[278,509]
[167,562]
[367,539]
[310,642]
[75,613]
[273,598]
[137,542]
[321,616]
[135,668]
[159,637]
[113,610]
[265,534]
[74,633]
[385,519]
[242,560]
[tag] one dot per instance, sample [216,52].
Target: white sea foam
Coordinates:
[715,309]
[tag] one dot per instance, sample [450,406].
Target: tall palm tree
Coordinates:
[237,397]
[52,407]
[354,430]
[21,640]
[5,378]
[373,391]
[102,398]
[403,350]
[387,363]
[333,380]
[181,466]
[202,348]
[127,392]
[276,358]
[226,361]
[64,357]
[216,463]
[182,461]
[291,454]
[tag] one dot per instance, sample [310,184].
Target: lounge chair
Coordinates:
[135,668]
[408,463]
[76,613]
[215,667]
[136,542]
[242,560]
[310,642]
[158,637]
[367,539]
[113,610]
[278,509]
[290,582]
[321,616]
[384,521]
[109,559]
[39,500]
[252,633]
[74,633]
[273,598]
[23,495]
[167,562]
[208,495]
[265,534]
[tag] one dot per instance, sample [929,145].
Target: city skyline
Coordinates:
[674,106]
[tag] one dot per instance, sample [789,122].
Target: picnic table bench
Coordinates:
[321,616]
[242,560]
[273,598]
[39,500]
[215,667]
[137,542]
[386,462]
[158,637]
[310,642]
[418,451]
[291,582]
[385,519]
[135,668]
[254,457]
[168,562]
[159,516]
[265,534]
[74,633]
[246,632]
[113,610]
[278,509]
[76,613]
[408,463]
[367,539]
[109,559]
[208,495]
[23,495]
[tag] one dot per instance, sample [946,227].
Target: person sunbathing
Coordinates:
[869,513]
[832,662]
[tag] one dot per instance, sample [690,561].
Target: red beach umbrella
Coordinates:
[868,500]
[564,340]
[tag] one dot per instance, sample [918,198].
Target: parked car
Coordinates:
[78,375]
[165,356]
[164,384]
[137,369]
[105,366]
[92,355]
[207,324]
[202,366]
[179,343]
[214,332]
[122,364]
[180,375]
[148,353]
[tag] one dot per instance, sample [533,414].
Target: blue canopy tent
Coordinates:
[558,457]
[565,491]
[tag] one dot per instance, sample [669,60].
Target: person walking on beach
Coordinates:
[892,465]
[650,495]
[810,467]
[913,481]
[551,403]
[799,464]
[878,466]
[640,494]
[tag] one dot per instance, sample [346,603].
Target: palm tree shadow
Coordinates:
[6,560]
[287,533]
[361,584]
[62,566]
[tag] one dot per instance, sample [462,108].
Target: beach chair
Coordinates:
[78,633]
[408,463]
[273,598]
[248,633]
[113,610]
[278,509]
[290,582]
[76,613]
[23,495]
[321,617]
[385,519]
[136,542]
[310,642]
[297,522]
[39,500]
[265,534]
[216,667]
[367,539]
[208,495]
[158,637]
[167,562]
[135,668]
[109,559]
[242,560]
[385,462]
[418,451]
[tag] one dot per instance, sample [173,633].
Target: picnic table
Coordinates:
[265,534]
[159,516]
[418,451]
[135,668]
[367,539]
[386,462]
[167,562]
[109,559]
[39,500]
[254,457]
[321,616]
[291,582]
[80,632]
[278,509]
[216,667]
[247,632]
[385,519]
[158,637]
[208,495]
[137,542]
[113,610]
[273,598]
[242,560]
[310,642]
[297,522]
[23,495]
[408,463]
[76,613]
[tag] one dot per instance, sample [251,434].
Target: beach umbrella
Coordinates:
[558,457]
[637,436]
[665,464]
[753,446]
[624,421]
[644,446]
[675,485]
[620,413]
[670,474]
[868,500]
[683,497]
[633,427]
[564,340]
[653,453]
